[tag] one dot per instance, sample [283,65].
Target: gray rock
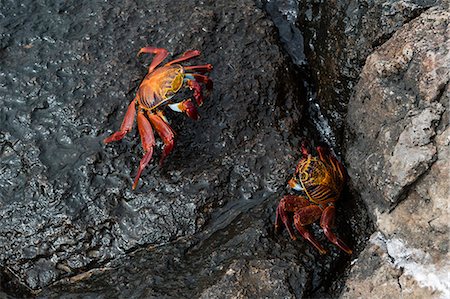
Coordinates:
[388,117]
[398,156]
[257,279]
[414,151]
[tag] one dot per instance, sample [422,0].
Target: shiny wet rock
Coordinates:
[69,221]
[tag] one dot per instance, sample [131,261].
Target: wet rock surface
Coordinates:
[398,126]
[223,263]
[69,222]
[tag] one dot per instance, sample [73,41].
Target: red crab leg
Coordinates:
[148,142]
[164,131]
[325,222]
[307,235]
[288,204]
[199,68]
[323,152]
[187,107]
[186,55]
[160,53]
[127,124]
[205,80]
[282,217]
[308,214]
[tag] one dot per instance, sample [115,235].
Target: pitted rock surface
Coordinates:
[68,72]
[69,222]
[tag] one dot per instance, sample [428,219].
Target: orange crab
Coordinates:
[319,181]
[155,92]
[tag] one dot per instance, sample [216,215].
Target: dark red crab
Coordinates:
[155,93]
[319,181]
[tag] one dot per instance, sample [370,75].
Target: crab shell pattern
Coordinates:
[319,181]
[157,91]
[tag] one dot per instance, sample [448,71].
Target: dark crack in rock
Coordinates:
[339,35]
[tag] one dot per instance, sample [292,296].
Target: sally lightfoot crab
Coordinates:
[319,179]
[156,92]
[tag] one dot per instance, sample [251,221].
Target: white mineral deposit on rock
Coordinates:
[419,264]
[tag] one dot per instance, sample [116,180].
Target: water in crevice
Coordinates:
[286,15]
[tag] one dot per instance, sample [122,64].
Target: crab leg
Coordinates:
[305,148]
[282,217]
[164,131]
[307,235]
[187,107]
[304,214]
[308,214]
[204,79]
[324,153]
[326,222]
[127,124]
[148,142]
[200,68]
[160,53]
[186,55]
[288,204]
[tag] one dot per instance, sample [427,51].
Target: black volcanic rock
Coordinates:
[70,225]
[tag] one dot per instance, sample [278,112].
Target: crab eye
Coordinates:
[293,183]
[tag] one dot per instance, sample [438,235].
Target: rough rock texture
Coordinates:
[398,156]
[68,217]
[398,105]
[256,279]
[66,200]
[242,260]
[339,35]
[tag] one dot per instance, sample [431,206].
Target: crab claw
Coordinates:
[193,85]
[187,107]
[205,80]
